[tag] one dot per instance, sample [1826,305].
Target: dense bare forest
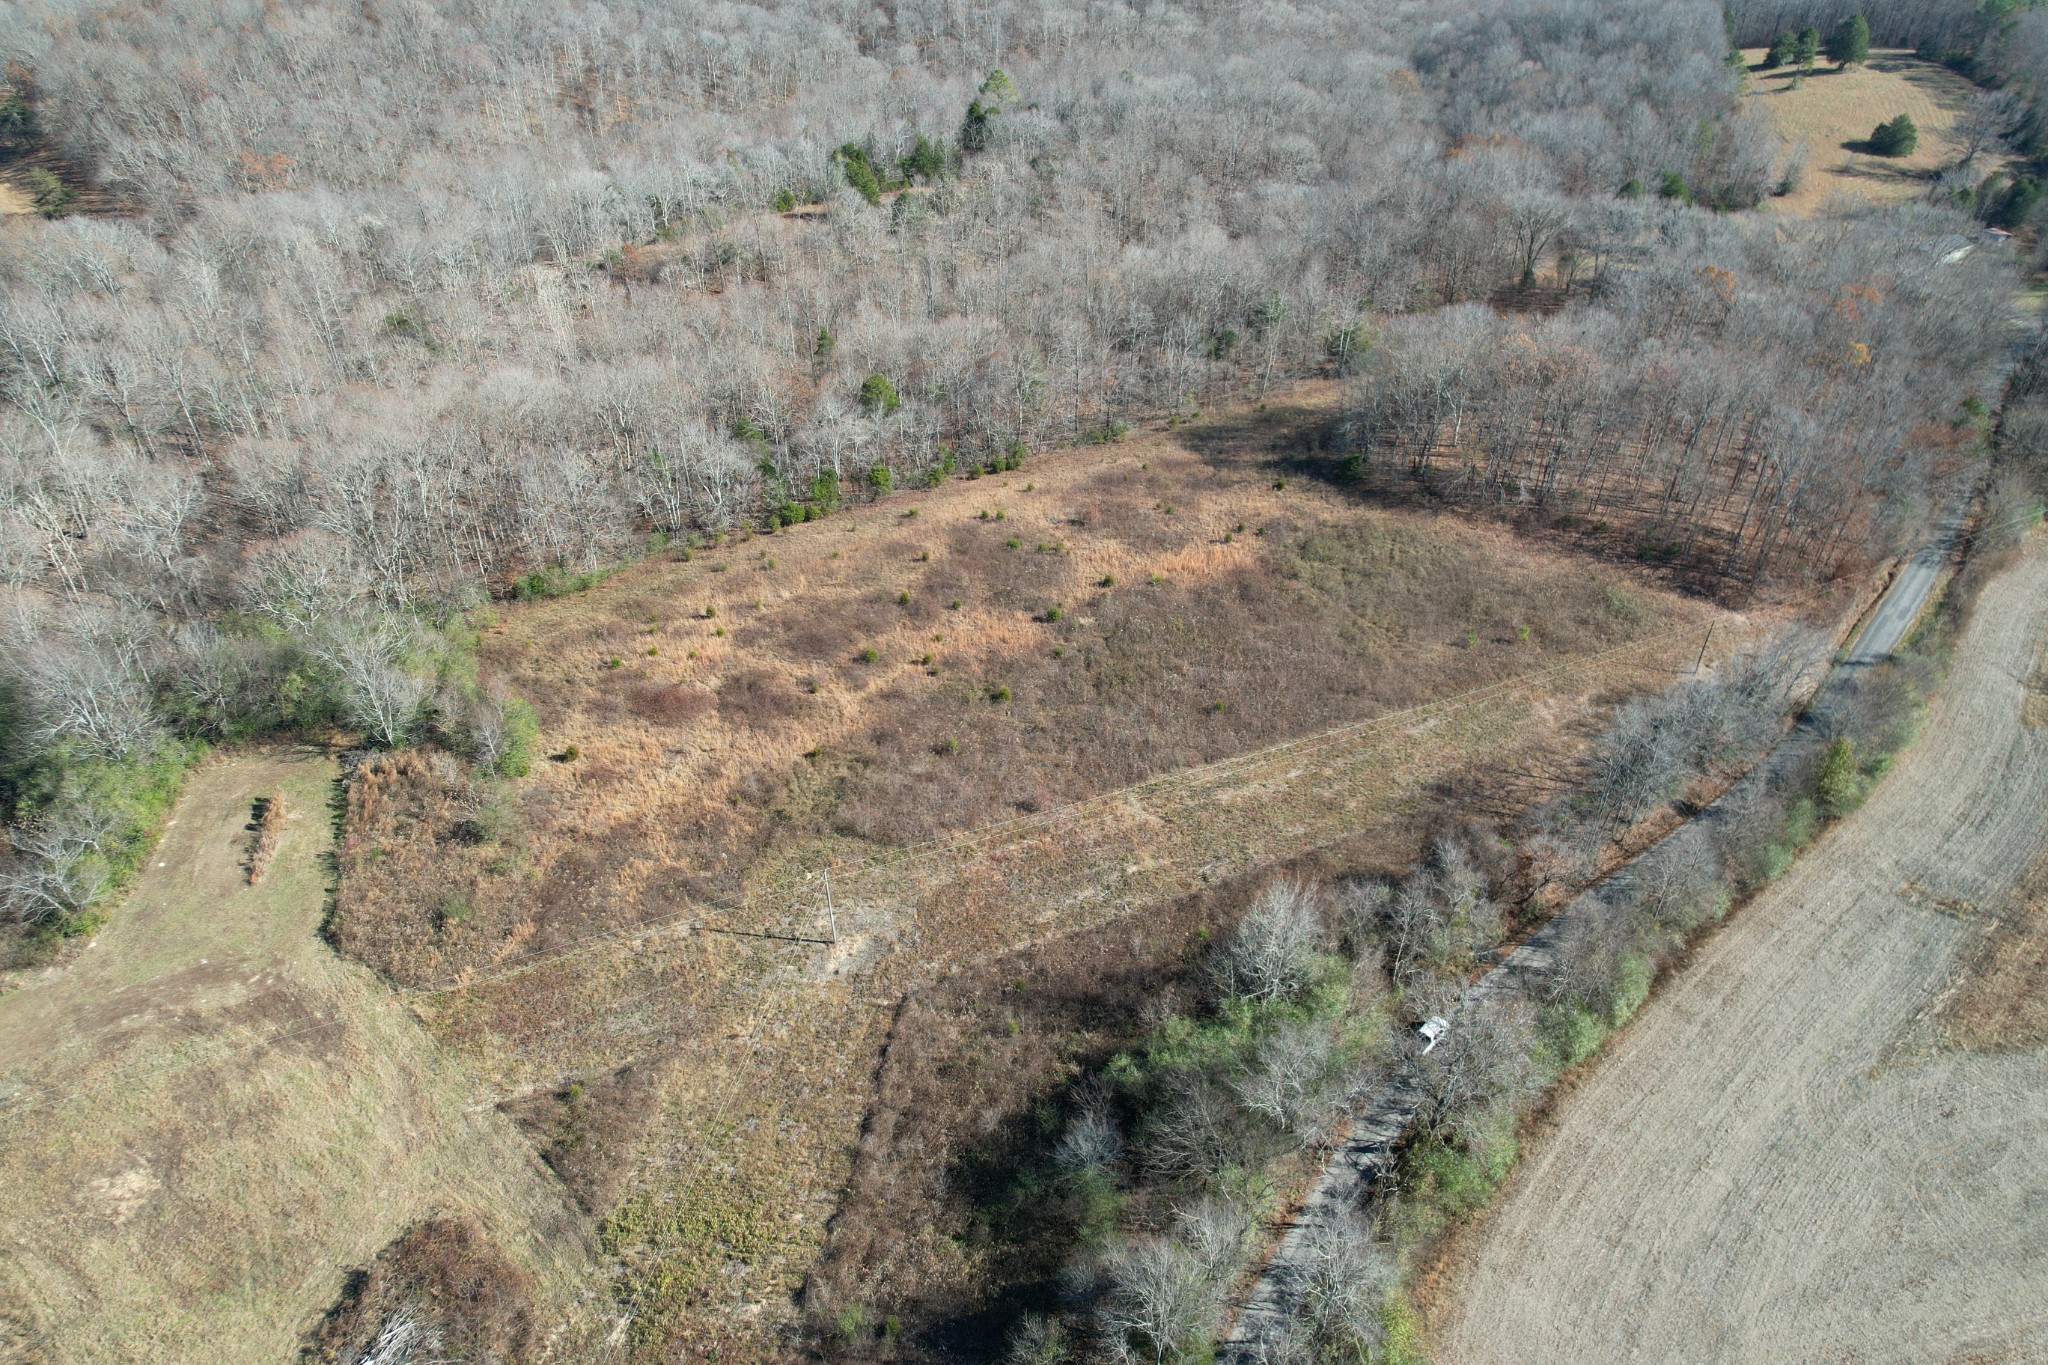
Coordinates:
[381,310]
[323,325]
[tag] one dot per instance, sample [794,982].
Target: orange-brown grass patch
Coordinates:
[882,676]
[1022,642]
[467,1299]
[265,830]
[2002,1002]
[1834,113]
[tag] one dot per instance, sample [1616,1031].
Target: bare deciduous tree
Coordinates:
[1483,1062]
[1161,1303]
[57,866]
[1272,953]
[1987,121]
[377,690]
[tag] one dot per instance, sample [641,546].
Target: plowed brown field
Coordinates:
[1779,1160]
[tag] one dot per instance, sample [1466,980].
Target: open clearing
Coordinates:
[1833,112]
[191,1155]
[728,757]
[1781,1157]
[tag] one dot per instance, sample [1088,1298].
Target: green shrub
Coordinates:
[859,171]
[1572,1033]
[1840,785]
[1449,1180]
[925,161]
[1406,1339]
[1801,822]
[557,581]
[1631,988]
[878,397]
[1898,137]
[522,731]
[52,197]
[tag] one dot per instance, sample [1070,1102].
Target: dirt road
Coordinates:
[1775,1161]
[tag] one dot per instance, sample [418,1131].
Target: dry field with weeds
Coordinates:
[207,1117]
[1821,1140]
[631,937]
[652,1042]
[1833,112]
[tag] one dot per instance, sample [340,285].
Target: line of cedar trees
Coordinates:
[1848,44]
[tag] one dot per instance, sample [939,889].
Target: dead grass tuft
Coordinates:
[2002,1004]
[265,830]
[671,703]
[469,1300]
[586,1129]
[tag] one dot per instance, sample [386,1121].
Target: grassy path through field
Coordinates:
[206,1116]
[1778,1159]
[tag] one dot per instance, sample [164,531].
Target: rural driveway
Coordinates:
[1776,1160]
[1902,601]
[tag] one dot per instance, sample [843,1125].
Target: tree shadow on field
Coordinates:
[1637,548]
[1276,437]
[1873,165]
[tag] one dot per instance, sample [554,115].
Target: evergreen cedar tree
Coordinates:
[1898,137]
[1805,47]
[1849,42]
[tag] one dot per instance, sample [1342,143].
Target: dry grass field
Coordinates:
[650,1048]
[1833,112]
[207,1118]
[949,658]
[1799,1150]
[629,932]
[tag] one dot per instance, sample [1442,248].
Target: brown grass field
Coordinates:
[209,1118]
[1833,112]
[1822,1139]
[731,756]
[648,1060]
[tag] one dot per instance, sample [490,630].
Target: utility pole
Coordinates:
[1708,639]
[831,915]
